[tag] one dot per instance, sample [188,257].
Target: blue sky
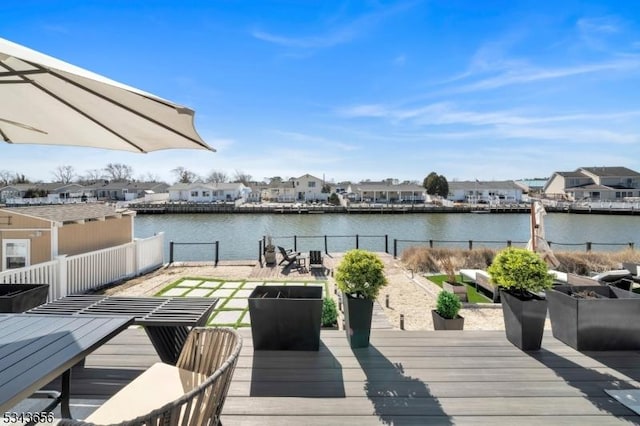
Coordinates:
[357,89]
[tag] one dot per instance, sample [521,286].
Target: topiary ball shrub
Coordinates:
[520,271]
[360,274]
[329,312]
[448,305]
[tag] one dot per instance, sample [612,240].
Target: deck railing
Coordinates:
[80,273]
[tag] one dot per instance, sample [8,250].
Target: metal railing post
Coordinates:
[217,252]
[508,243]
[395,248]
[386,243]
[357,241]
[326,246]
[295,243]
[588,246]
[470,245]
[170,251]
[260,252]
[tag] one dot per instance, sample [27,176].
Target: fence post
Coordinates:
[357,241]
[508,243]
[260,252]
[61,279]
[386,243]
[170,252]
[430,243]
[326,247]
[631,245]
[295,243]
[588,246]
[470,244]
[217,250]
[395,248]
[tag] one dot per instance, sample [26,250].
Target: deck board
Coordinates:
[404,377]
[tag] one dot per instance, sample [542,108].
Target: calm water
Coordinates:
[239,233]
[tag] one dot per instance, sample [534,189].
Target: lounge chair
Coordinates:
[315,260]
[290,257]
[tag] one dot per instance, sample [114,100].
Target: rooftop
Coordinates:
[69,212]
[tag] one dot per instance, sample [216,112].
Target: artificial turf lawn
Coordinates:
[472,294]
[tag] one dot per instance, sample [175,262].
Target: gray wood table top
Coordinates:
[161,311]
[35,349]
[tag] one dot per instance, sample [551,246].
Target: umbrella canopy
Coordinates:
[47,101]
[537,242]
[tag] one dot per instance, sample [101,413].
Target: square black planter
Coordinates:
[286,317]
[22,297]
[357,320]
[608,323]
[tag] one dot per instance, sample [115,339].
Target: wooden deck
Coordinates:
[403,378]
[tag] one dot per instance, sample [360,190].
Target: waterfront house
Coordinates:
[43,193]
[310,188]
[37,234]
[126,191]
[485,192]
[386,192]
[209,192]
[594,184]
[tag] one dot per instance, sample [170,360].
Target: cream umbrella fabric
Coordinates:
[538,242]
[47,101]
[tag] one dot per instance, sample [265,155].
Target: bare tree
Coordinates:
[64,174]
[118,172]
[92,176]
[242,177]
[185,176]
[217,177]
[5,177]
[149,177]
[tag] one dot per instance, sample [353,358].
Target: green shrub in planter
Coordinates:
[329,312]
[520,271]
[448,305]
[360,274]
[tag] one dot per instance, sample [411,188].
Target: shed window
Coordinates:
[15,254]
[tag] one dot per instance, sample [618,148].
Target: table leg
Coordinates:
[168,341]
[65,394]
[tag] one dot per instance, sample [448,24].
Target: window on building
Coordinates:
[194,193]
[311,184]
[15,254]
[205,193]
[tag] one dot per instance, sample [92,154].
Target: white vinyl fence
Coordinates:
[78,274]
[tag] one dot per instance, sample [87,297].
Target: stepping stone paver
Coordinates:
[176,291]
[189,283]
[227,317]
[240,303]
[199,292]
[222,292]
[210,284]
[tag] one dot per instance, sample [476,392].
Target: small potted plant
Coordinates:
[445,315]
[451,284]
[269,252]
[522,277]
[359,277]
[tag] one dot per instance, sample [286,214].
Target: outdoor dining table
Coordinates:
[35,350]
[166,320]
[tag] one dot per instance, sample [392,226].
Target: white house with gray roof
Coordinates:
[386,192]
[594,184]
[208,192]
[485,192]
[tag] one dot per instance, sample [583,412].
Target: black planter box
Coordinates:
[524,320]
[286,317]
[442,323]
[22,297]
[609,323]
[357,320]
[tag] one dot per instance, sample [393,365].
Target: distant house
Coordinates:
[41,193]
[126,191]
[280,192]
[309,188]
[386,192]
[36,234]
[485,192]
[594,184]
[208,192]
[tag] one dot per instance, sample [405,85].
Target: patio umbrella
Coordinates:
[44,100]
[537,242]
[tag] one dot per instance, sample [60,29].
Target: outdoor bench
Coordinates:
[191,393]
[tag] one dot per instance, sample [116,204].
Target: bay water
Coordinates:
[238,234]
